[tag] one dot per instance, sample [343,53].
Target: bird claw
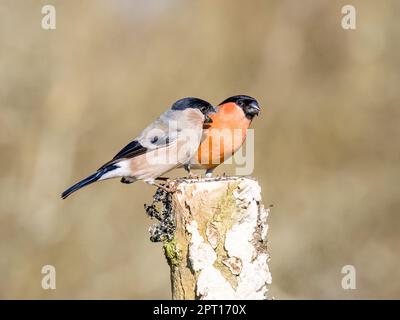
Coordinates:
[194,176]
[168,187]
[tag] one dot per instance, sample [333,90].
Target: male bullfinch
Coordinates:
[167,143]
[225,134]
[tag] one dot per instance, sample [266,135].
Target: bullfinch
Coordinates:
[225,134]
[167,143]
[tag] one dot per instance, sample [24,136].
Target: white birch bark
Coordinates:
[219,247]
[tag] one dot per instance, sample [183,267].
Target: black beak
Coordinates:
[207,119]
[252,109]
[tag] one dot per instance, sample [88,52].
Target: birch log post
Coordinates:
[218,249]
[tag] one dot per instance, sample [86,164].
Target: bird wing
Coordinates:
[133,148]
[156,135]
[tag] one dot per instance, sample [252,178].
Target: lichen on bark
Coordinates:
[171,251]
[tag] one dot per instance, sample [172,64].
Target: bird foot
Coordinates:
[221,176]
[194,176]
[169,188]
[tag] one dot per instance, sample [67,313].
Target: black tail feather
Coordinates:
[89,180]
[92,178]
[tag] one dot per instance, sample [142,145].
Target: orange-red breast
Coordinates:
[225,134]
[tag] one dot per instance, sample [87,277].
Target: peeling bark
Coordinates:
[218,249]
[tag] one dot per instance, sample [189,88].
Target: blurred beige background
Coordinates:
[327,139]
